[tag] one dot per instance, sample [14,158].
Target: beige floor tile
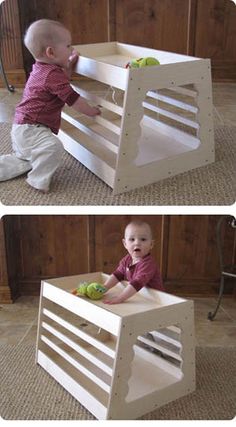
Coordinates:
[13,334]
[24,317]
[229,305]
[228,114]
[215,333]
[31,336]
[6,113]
[224,94]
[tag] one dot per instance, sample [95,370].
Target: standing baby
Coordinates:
[38,115]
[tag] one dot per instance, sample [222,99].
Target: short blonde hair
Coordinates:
[41,34]
[139,223]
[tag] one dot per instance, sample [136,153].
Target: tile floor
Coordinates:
[18,322]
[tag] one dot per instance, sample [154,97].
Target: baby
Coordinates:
[138,267]
[37,117]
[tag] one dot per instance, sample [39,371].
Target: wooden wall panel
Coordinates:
[86,20]
[11,45]
[51,246]
[13,248]
[11,36]
[193,260]
[156,24]
[5,291]
[216,36]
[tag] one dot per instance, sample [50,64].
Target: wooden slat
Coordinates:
[81,334]
[97,405]
[78,348]
[172,116]
[91,151]
[98,100]
[184,91]
[105,73]
[160,347]
[104,318]
[108,124]
[76,364]
[165,337]
[173,101]
[91,133]
[92,161]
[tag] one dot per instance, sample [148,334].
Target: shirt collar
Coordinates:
[130,265]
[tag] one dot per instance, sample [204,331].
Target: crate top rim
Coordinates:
[145,300]
[99,52]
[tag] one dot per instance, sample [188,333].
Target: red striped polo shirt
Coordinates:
[46,92]
[143,273]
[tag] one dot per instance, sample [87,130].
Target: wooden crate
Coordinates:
[158,123]
[119,361]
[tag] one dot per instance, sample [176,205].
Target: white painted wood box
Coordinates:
[119,361]
[156,121]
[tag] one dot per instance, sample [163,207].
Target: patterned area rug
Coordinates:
[73,184]
[27,392]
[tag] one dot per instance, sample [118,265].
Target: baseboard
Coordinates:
[5,295]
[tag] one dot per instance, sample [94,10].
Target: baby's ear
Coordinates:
[49,52]
[124,242]
[152,243]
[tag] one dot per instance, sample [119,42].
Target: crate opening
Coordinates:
[157,362]
[169,126]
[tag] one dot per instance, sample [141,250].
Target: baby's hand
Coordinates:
[97,111]
[92,111]
[73,58]
[114,300]
[83,107]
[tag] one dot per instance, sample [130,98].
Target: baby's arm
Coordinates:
[110,282]
[82,106]
[128,292]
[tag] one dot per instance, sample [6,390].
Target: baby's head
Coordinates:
[138,239]
[49,41]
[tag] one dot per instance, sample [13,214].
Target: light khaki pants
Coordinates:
[35,149]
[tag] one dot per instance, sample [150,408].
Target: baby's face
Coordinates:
[63,48]
[138,241]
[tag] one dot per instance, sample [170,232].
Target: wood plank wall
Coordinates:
[37,247]
[11,43]
[196,27]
